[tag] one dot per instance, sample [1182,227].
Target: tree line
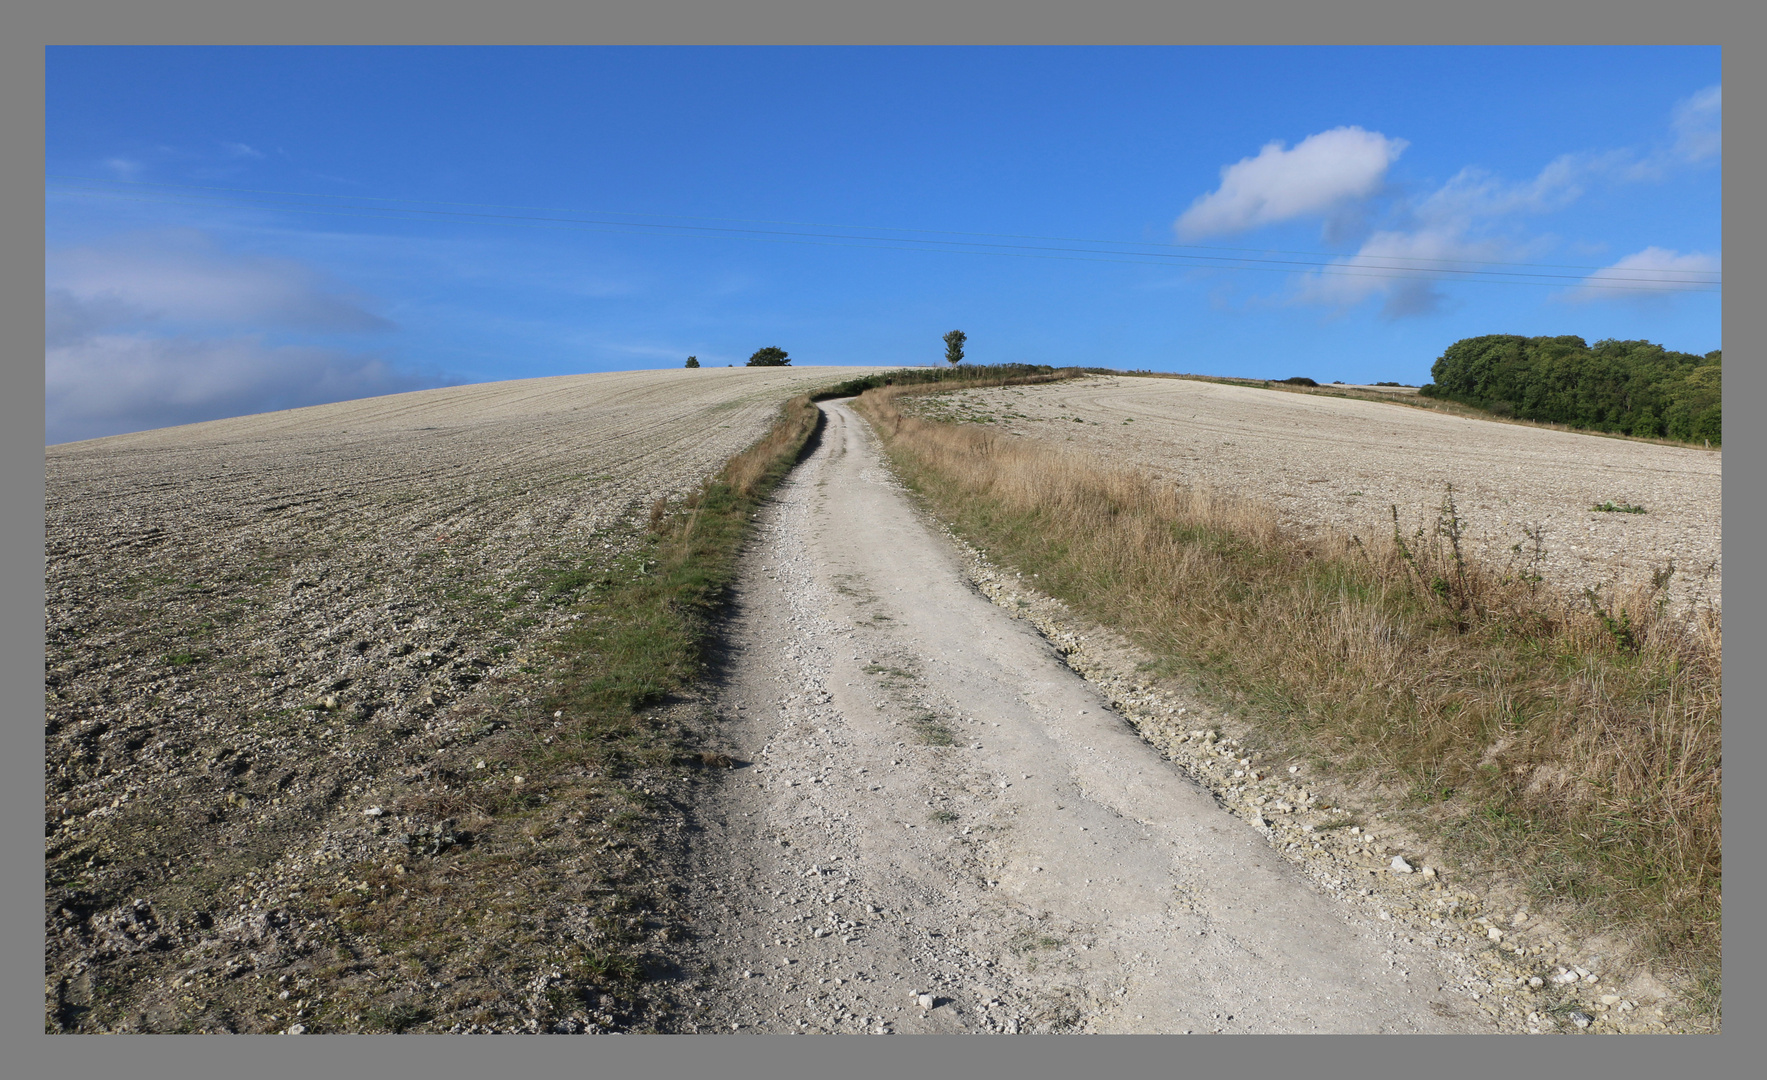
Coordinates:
[1629,387]
[774,356]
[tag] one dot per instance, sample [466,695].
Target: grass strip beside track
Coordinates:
[563,881]
[608,756]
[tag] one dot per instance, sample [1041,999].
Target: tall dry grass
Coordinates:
[1575,746]
[768,459]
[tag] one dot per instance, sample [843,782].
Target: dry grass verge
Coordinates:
[1577,748]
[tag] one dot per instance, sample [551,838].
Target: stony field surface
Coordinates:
[269,638]
[1341,463]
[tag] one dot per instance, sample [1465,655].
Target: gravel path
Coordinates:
[943,827]
[1341,463]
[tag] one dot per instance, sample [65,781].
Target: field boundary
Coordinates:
[1444,406]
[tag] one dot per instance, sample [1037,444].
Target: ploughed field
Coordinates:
[269,638]
[1341,463]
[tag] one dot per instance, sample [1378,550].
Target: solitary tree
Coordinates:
[771,356]
[954,347]
[692,361]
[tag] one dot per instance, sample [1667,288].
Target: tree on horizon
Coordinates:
[771,356]
[954,347]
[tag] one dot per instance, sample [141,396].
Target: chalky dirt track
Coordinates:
[944,828]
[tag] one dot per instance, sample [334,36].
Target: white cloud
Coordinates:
[68,319]
[1475,193]
[1450,234]
[1651,273]
[1405,267]
[166,328]
[1699,125]
[1320,174]
[107,384]
[1424,241]
[181,276]
[1402,267]
[243,150]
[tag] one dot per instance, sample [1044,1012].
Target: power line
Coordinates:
[1337,267]
[1335,258]
[1336,264]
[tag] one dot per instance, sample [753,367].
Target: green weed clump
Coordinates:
[1575,745]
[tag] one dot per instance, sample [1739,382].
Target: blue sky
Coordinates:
[236,230]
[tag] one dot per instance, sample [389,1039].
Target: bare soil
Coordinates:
[286,659]
[1339,463]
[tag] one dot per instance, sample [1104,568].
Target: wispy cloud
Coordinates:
[1403,268]
[1699,125]
[243,150]
[168,328]
[107,384]
[1322,173]
[182,276]
[1443,234]
[1650,274]
[1477,193]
